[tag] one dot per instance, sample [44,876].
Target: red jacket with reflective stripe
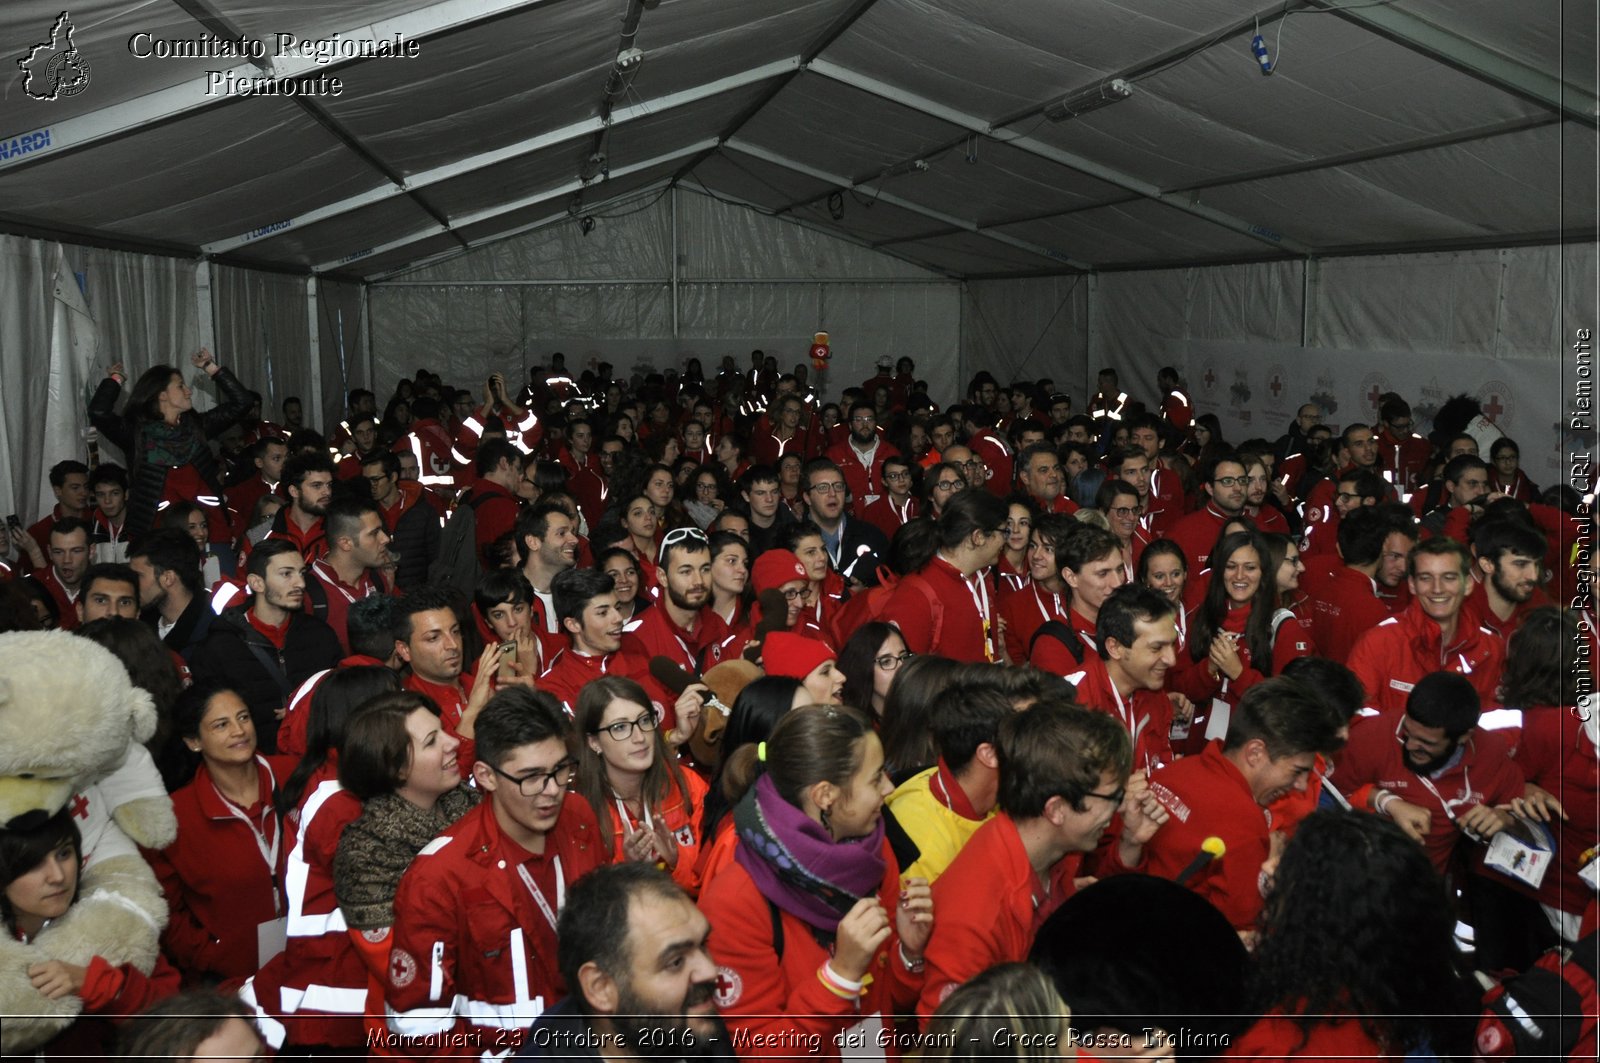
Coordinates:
[1391,657]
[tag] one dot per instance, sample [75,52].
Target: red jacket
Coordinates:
[339,596]
[1025,612]
[1476,612]
[1403,461]
[586,482]
[1391,657]
[317,987]
[432,444]
[887,517]
[474,956]
[1146,715]
[939,600]
[570,671]
[496,515]
[988,909]
[1345,607]
[682,819]
[297,717]
[996,453]
[864,482]
[1555,753]
[218,885]
[772,999]
[1484,773]
[1197,533]
[660,637]
[242,499]
[1207,795]
[66,601]
[1340,1040]
[1166,505]
[452,702]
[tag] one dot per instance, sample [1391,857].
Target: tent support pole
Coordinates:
[1307,269]
[205,321]
[674,194]
[366,337]
[314,348]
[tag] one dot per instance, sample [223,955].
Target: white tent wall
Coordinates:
[1026,330]
[737,279]
[341,348]
[263,333]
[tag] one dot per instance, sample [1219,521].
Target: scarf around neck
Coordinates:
[797,865]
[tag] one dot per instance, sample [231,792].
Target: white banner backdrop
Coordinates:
[1256,389]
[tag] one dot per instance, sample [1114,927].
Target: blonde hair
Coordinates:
[1008,1012]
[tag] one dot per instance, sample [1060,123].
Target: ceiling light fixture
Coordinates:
[1090,99]
[900,169]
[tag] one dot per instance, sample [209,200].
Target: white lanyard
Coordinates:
[336,583]
[979,589]
[835,554]
[538,894]
[1126,715]
[1055,600]
[627,820]
[1449,806]
[900,515]
[269,853]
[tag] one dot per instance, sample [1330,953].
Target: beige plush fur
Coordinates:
[70,728]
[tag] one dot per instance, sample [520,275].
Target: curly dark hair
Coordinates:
[1358,924]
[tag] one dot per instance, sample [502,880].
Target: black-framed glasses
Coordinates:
[1231,481]
[950,485]
[836,487]
[533,784]
[622,730]
[891,661]
[1115,796]
[898,474]
[799,594]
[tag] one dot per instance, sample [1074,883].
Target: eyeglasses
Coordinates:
[890,661]
[950,485]
[1231,481]
[972,463]
[533,784]
[837,487]
[1115,796]
[900,475]
[1124,511]
[1347,496]
[622,730]
[799,594]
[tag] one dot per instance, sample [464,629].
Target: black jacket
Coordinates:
[147,481]
[862,548]
[241,658]
[190,630]
[416,540]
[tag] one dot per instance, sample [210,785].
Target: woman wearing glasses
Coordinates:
[648,807]
[870,661]
[812,904]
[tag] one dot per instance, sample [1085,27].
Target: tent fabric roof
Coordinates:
[917,127]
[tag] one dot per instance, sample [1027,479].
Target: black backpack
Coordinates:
[457,564]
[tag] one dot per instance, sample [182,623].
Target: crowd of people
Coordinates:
[707,715]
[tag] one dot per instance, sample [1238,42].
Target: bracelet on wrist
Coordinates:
[916,966]
[1381,800]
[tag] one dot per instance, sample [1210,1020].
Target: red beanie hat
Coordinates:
[785,653]
[774,568]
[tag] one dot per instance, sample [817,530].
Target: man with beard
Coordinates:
[1430,634]
[860,457]
[633,955]
[358,550]
[1432,769]
[270,645]
[855,547]
[1137,636]
[1352,491]
[1508,566]
[682,624]
[167,562]
[410,517]
[475,917]
[1277,730]
[308,481]
[1226,486]
[548,537]
[1044,479]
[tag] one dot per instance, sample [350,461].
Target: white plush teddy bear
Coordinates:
[71,724]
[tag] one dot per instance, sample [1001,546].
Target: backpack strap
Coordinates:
[1063,634]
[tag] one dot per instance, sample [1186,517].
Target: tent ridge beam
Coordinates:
[574,131]
[1442,45]
[121,119]
[490,213]
[905,204]
[1033,146]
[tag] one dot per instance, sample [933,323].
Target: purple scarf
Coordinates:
[796,864]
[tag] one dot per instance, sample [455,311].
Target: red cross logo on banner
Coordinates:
[1276,386]
[1374,395]
[1211,378]
[1492,409]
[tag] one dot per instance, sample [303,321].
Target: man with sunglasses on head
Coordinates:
[682,623]
[475,957]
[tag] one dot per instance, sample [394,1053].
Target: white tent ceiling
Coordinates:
[1414,124]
